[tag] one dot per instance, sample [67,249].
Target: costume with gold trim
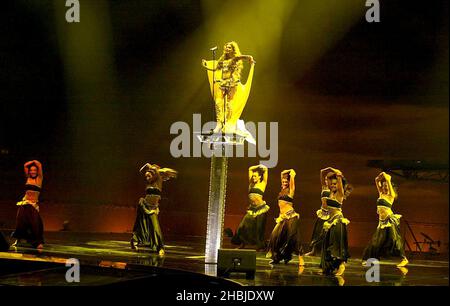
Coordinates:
[387,240]
[29,224]
[252,227]
[146,230]
[323,214]
[285,238]
[335,241]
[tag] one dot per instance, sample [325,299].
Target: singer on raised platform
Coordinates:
[229,94]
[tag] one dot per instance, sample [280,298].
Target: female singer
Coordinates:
[226,87]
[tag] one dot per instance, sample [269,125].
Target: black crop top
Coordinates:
[383,202]
[32,187]
[256,190]
[333,203]
[153,191]
[286,198]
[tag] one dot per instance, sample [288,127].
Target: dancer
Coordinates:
[29,225]
[335,245]
[322,216]
[229,94]
[387,240]
[285,237]
[252,227]
[146,230]
[323,213]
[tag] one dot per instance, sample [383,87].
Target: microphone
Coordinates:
[213,48]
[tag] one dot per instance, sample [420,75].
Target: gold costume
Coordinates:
[228,90]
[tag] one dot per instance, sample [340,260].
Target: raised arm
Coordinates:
[266,174]
[144,167]
[283,173]
[250,173]
[159,178]
[39,168]
[25,167]
[155,169]
[246,57]
[378,182]
[323,175]
[340,194]
[38,165]
[392,192]
[291,182]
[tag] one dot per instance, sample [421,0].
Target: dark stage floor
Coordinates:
[98,253]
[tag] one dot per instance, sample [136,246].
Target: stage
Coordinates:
[106,259]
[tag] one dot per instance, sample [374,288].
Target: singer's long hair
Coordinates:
[237,52]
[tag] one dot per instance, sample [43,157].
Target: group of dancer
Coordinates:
[146,230]
[330,230]
[329,238]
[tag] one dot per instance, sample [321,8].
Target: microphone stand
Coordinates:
[214,73]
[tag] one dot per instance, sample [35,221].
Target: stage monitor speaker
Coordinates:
[236,260]
[4,245]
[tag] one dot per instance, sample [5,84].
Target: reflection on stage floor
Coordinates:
[98,252]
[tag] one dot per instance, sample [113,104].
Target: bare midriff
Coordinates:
[152,199]
[255,199]
[284,206]
[383,212]
[32,196]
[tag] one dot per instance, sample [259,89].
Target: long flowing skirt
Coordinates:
[386,241]
[29,225]
[146,230]
[285,239]
[334,246]
[317,236]
[251,230]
